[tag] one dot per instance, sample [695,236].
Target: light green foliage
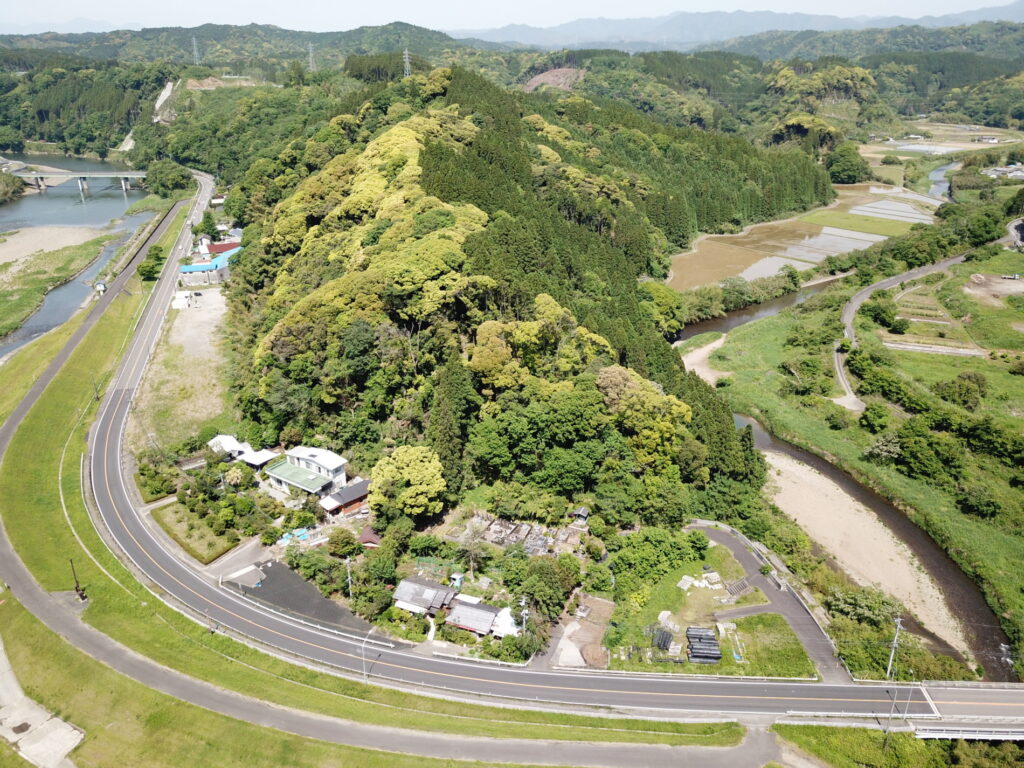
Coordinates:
[409,482]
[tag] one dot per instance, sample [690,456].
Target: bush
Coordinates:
[900,325]
[891,160]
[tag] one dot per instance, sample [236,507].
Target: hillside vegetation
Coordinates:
[999,39]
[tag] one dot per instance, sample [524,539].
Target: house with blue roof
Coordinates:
[208,271]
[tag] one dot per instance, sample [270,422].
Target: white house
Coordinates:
[312,470]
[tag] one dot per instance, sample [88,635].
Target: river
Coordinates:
[63,205]
[988,643]
[940,185]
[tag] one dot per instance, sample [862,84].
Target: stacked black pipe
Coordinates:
[702,646]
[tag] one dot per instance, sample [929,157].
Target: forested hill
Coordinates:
[459,266]
[998,39]
[228,44]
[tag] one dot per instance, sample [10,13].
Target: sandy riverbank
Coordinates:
[28,240]
[856,539]
[861,544]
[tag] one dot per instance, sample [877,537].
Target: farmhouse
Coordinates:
[422,596]
[349,499]
[308,470]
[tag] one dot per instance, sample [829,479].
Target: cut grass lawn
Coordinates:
[991,325]
[861,747]
[23,290]
[126,723]
[191,533]
[27,364]
[35,521]
[857,223]
[10,759]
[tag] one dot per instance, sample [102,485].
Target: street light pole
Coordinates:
[363,652]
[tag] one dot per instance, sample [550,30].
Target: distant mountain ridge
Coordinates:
[685,30]
[228,43]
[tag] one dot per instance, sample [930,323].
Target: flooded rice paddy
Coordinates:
[763,249]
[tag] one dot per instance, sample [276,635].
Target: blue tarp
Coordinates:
[218,262]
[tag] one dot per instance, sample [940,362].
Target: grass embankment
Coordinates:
[35,521]
[857,223]
[156,204]
[126,723]
[989,550]
[191,533]
[861,747]
[24,284]
[25,365]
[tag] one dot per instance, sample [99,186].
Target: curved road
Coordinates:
[184,584]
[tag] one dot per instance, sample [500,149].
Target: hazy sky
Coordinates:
[334,15]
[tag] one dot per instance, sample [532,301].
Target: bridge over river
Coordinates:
[40,178]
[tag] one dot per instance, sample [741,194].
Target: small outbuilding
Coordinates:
[474,617]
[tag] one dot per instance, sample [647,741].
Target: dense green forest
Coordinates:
[998,39]
[444,283]
[234,45]
[81,105]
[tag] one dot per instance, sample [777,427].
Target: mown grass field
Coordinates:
[127,724]
[857,223]
[25,365]
[35,520]
[862,748]
[23,285]
[994,323]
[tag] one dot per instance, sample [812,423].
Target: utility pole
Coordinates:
[78,587]
[348,571]
[195,51]
[406,62]
[312,66]
[895,645]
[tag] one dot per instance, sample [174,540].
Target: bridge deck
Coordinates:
[80,174]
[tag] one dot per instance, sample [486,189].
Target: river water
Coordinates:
[988,642]
[64,205]
[940,185]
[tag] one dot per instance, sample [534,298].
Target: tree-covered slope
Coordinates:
[82,105]
[998,39]
[226,44]
[458,266]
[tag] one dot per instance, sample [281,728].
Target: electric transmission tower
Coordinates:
[195,51]
[312,66]
[406,62]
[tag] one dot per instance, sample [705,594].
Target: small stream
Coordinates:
[988,642]
[940,185]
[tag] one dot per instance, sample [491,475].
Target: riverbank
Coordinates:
[20,244]
[861,545]
[853,536]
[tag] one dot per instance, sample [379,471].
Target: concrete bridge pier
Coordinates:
[41,184]
[126,184]
[83,184]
